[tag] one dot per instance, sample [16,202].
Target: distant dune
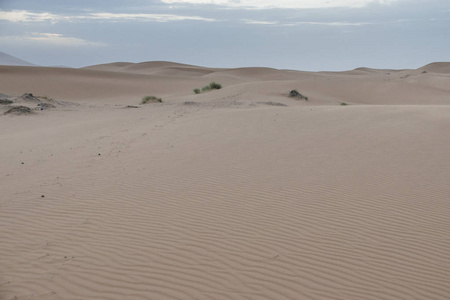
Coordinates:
[150,67]
[438,67]
[241,192]
[6,59]
[174,81]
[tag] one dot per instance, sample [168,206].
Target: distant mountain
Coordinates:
[9,60]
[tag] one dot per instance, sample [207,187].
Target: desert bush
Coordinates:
[295,93]
[215,86]
[343,104]
[5,101]
[206,88]
[212,86]
[151,99]
[19,110]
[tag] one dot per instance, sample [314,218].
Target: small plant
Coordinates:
[151,99]
[5,101]
[295,93]
[212,86]
[206,88]
[343,104]
[215,86]
[19,110]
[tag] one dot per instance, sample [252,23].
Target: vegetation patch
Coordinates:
[215,86]
[206,88]
[29,97]
[296,94]
[151,99]
[44,105]
[273,103]
[190,103]
[5,101]
[212,86]
[19,110]
[343,104]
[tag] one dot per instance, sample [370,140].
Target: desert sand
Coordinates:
[236,193]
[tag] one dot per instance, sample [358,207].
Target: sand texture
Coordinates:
[237,193]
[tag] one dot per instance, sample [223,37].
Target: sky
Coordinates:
[310,35]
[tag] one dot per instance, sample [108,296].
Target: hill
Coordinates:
[9,60]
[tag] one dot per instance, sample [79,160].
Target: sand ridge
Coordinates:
[175,83]
[222,195]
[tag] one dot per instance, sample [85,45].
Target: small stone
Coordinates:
[42,196]
[23,163]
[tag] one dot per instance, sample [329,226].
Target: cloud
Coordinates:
[27,16]
[144,17]
[255,22]
[328,23]
[53,39]
[263,4]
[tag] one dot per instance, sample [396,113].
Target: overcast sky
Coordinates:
[284,34]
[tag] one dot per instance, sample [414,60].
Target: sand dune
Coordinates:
[225,194]
[9,60]
[440,67]
[113,67]
[175,82]
[87,85]
[153,67]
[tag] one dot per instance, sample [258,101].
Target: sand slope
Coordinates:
[127,83]
[9,60]
[221,195]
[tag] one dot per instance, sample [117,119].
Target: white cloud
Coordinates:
[261,4]
[26,16]
[255,22]
[144,17]
[328,23]
[53,39]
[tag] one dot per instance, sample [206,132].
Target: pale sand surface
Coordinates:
[226,197]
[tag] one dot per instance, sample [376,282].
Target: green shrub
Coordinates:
[295,93]
[215,86]
[151,99]
[212,86]
[343,104]
[206,88]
